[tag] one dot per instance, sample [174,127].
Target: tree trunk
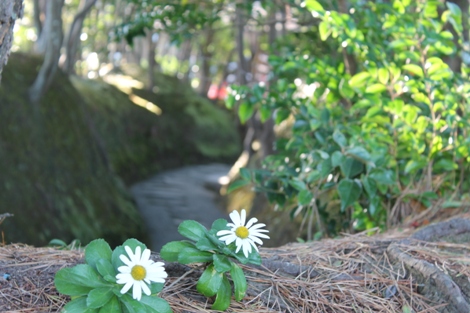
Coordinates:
[206,55]
[10,11]
[53,32]
[73,38]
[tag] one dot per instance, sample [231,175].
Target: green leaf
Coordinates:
[382,176]
[171,250]
[221,263]
[415,165]
[325,116]
[106,269]
[340,139]
[376,88]
[297,184]
[239,281]
[360,154]
[245,111]
[359,80]
[204,244]
[78,305]
[383,75]
[351,167]
[155,304]
[349,192]
[193,255]
[314,5]
[192,230]
[336,158]
[445,165]
[219,224]
[222,300]
[414,69]
[112,306]
[304,197]
[230,101]
[63,285]
[57,242]
[345,90]
[209,282]
[237,185]
[96,250]
[78,280]
[281,115]
[98,297]
[369,186]
[265,113]
[325,168]
[133,306]
[245,173]
[156,288]
[324,30]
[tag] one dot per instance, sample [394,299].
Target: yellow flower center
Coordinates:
[242,232]
[138,272]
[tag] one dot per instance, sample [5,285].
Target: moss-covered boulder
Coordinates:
[54,173]
[187,128]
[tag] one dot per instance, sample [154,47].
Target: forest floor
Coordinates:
[425,272]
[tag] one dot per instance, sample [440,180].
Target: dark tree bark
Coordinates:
[73,37]
[10,11]
[53,32]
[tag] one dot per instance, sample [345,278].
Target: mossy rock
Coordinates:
[189,130]
[54,171]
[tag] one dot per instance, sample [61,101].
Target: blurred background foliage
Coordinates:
[354,114]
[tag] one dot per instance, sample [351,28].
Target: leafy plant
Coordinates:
[205,247]
[377,118]
[93,285]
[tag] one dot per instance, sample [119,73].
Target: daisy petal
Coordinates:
[145,288]
[124,269]
[126,260]
[235,217]
[130,253]
[259,235]
[251,222]
[146,255]
[256,239]
[127,286]
[243,218]
[258,226]
[138,251]
[223,232]
[137,291]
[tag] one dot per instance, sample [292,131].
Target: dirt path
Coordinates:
[170,197]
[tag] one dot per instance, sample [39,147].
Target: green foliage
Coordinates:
[364,142]
[93,286]
[205,247]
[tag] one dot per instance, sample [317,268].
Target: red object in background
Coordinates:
[216,93]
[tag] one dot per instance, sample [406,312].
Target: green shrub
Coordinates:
[377,117]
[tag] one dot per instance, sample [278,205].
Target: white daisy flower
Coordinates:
[245,236]
[139,271]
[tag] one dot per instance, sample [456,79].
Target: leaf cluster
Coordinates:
[204,247]
[93,286]
[378,117]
